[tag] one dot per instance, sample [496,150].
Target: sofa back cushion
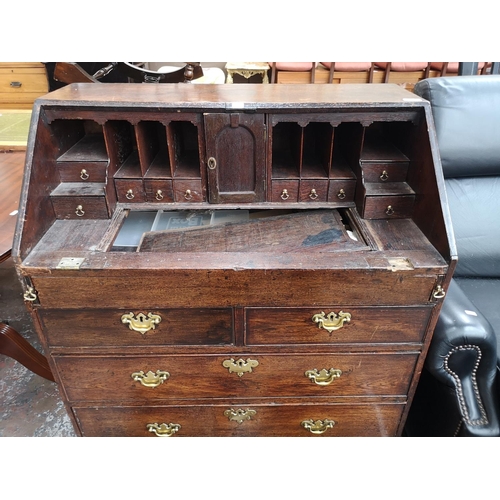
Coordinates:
[466,111]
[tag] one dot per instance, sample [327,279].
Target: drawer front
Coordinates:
[328,420]
[312,190]
[130,190]
[341,190]
[384,172]
[285,191]
[159,191]
[388,207]
[78,171]
[80,207]
[187,191]
[105,328]
[127,378]
[267,326]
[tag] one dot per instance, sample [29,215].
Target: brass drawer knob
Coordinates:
[313,194]
[163,430]
[241,366]
[324,376]
[79,211]
[389,210]
[84,175]
[159,195]
[341,194]
[188,195]
[151,379]
[130,194]
[141,323]
[439,292]
[318,426]
[384,176]
[332,321]
[239,415]
[284,195]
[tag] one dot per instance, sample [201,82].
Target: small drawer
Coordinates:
[159,191]
[285,191]
[241,419]
[82,171]
[155,378]
[341,190]
[188,191]
[336,325]
[105,328]
[130,190]
[313,190]
[388,207]
[384,172]
[80,207]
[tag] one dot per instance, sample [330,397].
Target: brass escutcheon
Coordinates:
[159,195]
[150,379]
[284,195]
[313,194]
[130,195]
[341,194]
[332,321]
[212,163]
[163,430]
[84,175]
[318,426]
[324,376]
[384,176]
[239,415]
[79,211]
[241,366]
[142,323]
[30,294]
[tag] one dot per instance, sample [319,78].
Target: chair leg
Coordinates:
[387,72]
[313,73]
[370,74]
[13,345]
[332,71]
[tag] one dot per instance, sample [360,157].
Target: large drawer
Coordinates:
[329,420]
[106,328]
[336,325]
[119,378]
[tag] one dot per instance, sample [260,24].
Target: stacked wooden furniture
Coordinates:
[310,317]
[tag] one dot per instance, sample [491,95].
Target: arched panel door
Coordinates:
[235,157]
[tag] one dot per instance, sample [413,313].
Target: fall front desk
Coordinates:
[234,260]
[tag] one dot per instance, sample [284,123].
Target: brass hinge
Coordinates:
[70,263]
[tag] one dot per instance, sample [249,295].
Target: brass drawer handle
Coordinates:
[241,366]
[163,430]
[84,175]
[16,84]
[151,379]
[130,195]
[318,426]
[324,376]
[332,321]
[188,195]
[389,210]
[79,211]
[239,415]
[141,323]
[384,176]
[313,194]
[439,292]
[341,194]
[212,164]
[30,295]
[284,195]
[159,195]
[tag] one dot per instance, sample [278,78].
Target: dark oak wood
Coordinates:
[343,193]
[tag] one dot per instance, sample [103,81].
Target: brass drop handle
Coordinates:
[313,194]
[188,195]
[324,376]
[212,164]
[318,426]
[151,379]
[84,175]
[341,194]
[79,211]
[389,210]
[239,415]
[285,195]
[439,292]
[241,366]
[163,430]
[384,175]
[159,195]
[130,195]
[141,323]
[30,294]
[332,321]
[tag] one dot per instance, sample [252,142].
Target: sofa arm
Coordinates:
[463,358]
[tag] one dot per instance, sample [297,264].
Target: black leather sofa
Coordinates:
[458,393]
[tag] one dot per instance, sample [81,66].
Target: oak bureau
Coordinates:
[234,260]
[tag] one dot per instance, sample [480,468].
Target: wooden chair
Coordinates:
[349,67]
[309,67]
[405,67]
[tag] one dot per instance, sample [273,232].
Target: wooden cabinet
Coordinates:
[21,83]
[226,261]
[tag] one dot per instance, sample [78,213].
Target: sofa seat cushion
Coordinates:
[349,66]
[403,66]
[293,66]
[475,210]
[485,295]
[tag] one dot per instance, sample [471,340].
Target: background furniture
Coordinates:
[21,83]
[311,317]
[247,70]
[458,392]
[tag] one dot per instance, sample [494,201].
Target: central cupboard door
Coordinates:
[235,145]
